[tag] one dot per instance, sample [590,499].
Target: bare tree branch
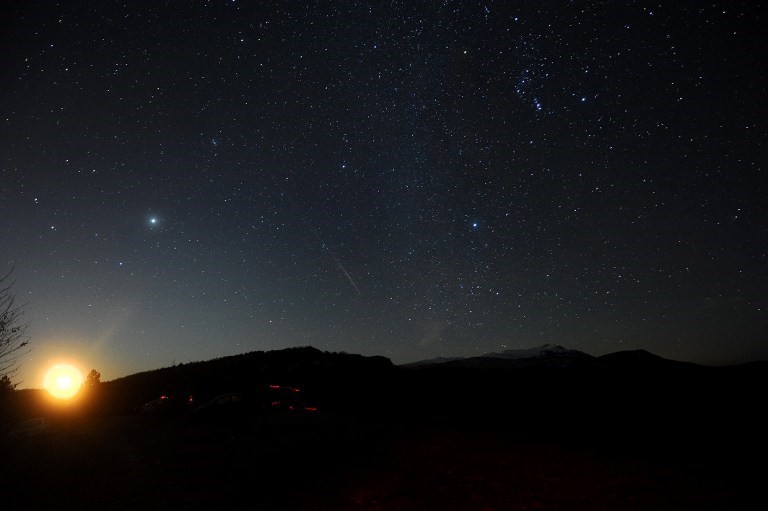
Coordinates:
[14,340]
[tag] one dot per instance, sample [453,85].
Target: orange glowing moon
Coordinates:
[63,381]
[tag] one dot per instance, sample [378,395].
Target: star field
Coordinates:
[182,181]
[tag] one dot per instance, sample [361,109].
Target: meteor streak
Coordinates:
[338,263]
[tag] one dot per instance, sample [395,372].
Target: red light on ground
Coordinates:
[280,387]
[310,408]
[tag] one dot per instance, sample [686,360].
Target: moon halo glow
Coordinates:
[63,381]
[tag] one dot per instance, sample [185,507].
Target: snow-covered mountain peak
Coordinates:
[538,351]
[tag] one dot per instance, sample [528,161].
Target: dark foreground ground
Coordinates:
[336,462]
[637,436]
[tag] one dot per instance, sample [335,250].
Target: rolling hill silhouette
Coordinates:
[538,390]
[641,360]
[548,401]
[548,355]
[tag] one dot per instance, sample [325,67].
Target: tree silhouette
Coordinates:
[93,379]
[13,333]
[6,385]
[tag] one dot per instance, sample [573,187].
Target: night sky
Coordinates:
[184,180]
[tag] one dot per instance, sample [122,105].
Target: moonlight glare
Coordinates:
[63,381]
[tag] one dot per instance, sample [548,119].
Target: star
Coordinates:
[336,186]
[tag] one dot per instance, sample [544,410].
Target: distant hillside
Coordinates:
[553,356]
[641,360]
[431,361]
[266,364]
[547,355]
[548,389]
[303,366]
[544,351]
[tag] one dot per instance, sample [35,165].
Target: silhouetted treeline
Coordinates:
[319,374]
[633,399]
